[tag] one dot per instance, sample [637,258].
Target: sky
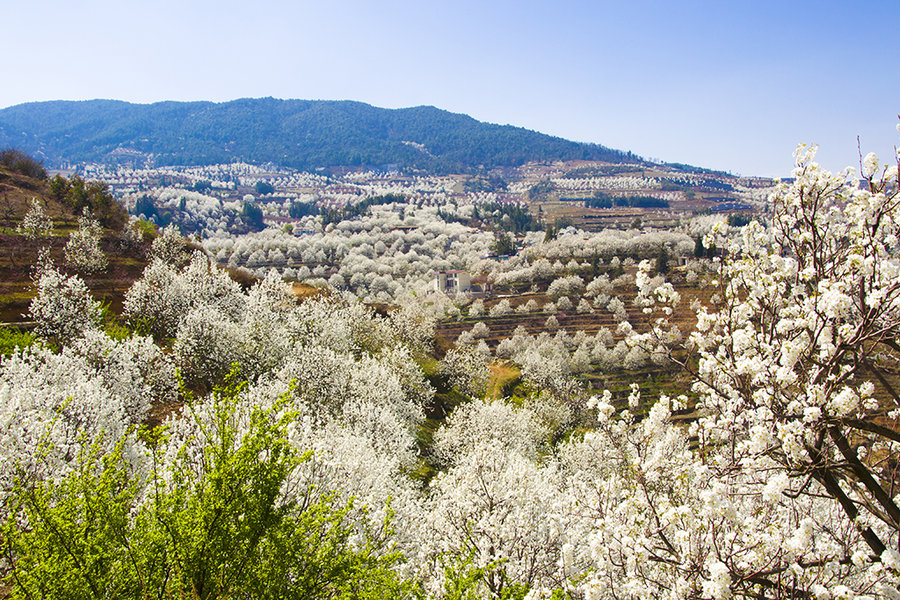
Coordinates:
[728,85]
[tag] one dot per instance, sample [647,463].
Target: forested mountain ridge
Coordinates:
[303,134]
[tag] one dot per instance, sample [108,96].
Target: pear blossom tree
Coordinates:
[35,223]
[480,330]
[131,237]
[466,370]
[63,308]
[564,304]
[169,246]
[501,309]
[798,426]
[83,248]
[496,503]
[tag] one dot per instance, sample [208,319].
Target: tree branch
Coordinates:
[865,476]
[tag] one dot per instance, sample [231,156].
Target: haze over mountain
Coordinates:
[304,134]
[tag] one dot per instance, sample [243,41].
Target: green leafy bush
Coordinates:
[10,339]
[21,163]
[214,523]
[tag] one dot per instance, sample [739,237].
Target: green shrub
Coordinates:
[148,230]
[10,339]
[18,161]
[220,529]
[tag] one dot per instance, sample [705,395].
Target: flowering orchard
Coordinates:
[300,454]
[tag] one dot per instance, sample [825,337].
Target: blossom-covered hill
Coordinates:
[234,441]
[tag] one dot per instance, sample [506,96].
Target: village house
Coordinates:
[452,282]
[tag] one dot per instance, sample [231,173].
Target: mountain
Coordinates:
[304,134]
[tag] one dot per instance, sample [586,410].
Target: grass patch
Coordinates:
[10,339]
[430,366]
[504,375]
[304,291]
[24,296]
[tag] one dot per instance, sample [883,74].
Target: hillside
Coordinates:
[18,253]
[302,134]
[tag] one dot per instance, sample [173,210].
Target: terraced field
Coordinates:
[590,323]
[653,379]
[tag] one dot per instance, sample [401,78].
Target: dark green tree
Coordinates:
[263,187]
[662,260]
[504,245]
[252,215]
[18,161]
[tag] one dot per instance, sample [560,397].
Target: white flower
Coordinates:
[842,592]
[775,486]
[820,592]
[812,414]
[718,584]
[891,559]
[870,164]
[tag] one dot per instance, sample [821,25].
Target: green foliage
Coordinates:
[59,187]
[112,325]
[464,581]
[541,190]
[603,200]
[695,170]
[739,219]
[298,210]
[202,186]
[10,339]
[595,264]
[76,543]
[19,162]
[602,171]
[552,229]
[264,187]
[266,130]
[662,261]
[147,230]
[117,331]
[699,248]
[508,216]
[217,525]
[504,245]
[491,183]
[145,206]
[336,215]
[79,194]
[253,215]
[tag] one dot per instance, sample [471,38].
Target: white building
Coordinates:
[452,282]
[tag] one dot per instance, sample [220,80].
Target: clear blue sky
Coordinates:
[721,84]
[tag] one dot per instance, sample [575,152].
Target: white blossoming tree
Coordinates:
[496,503]
[170,247]
[63,308]
[83,248]
[35,223]
[466,370]
[799,412]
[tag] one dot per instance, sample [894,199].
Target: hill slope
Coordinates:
[303,134]
[18,253]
